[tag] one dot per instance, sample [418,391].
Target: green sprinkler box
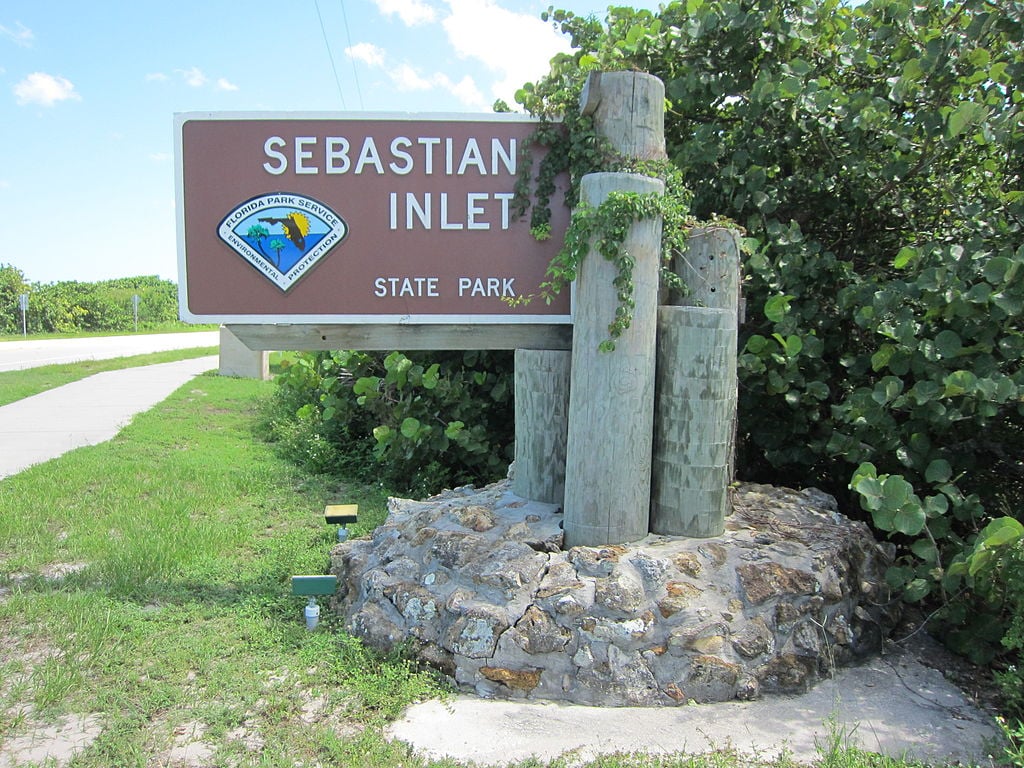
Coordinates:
[311,586]
[341,514]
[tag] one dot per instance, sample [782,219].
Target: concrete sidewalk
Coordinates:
[893,705]
[86,412]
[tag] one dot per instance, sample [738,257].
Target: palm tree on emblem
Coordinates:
[278,245]
[258,232]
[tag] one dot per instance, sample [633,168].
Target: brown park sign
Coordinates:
[366,219]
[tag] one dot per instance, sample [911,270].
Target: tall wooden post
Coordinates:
[611,398]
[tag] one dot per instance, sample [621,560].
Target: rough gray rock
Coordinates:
[477,581]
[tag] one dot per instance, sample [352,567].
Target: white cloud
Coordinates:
[466,91]
[406,78]
[411,12]
[368,53]
[5,184]
[193,76]
[159,157]
[158,77]
[21,36]
[41,88]
[521,53]
[223,84]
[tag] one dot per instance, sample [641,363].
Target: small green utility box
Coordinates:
[310,586]
[341,514]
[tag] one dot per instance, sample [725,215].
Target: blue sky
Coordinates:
[88,91]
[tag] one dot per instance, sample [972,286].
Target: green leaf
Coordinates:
[410,426]
[756,344]
[776,308]
[882,357]
[898,576]
[979,560]
[948,344]
[906,255]
[910,519]
[925,550]
[1000,532]
[938,471]
[936,506]
[431,377]
[997,268]
[870,490]
[790,87]
[979,57]
[959,383]
[917,590]
[897,492]
[367,385]
[966,115]
[1010,304]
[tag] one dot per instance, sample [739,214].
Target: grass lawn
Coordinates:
[144,592]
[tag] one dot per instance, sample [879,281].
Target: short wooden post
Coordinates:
[710,268]
[542,423]
[611,396]
[695,404]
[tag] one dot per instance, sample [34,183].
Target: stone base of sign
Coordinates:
[477,583]
[236,359]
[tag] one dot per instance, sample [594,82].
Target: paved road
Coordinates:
[18,355]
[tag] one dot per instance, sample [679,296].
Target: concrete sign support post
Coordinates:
[236,359]
[611,399]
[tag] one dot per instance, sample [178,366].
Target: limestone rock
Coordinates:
[520,679]
[479,585]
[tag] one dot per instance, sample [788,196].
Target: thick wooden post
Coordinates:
[611,396]
[696,403]
[542,423]
[710,267]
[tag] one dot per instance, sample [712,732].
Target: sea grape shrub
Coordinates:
[417,422]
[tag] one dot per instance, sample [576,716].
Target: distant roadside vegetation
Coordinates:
[69,306]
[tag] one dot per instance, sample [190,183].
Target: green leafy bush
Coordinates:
[70,306]
[990,610]
[416,421]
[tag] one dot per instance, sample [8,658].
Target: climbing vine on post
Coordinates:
[574,147]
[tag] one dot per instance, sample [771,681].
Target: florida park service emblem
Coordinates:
[283,235]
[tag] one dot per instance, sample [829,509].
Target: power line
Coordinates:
[330,55]
[355,72]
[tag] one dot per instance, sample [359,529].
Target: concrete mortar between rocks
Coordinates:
[476,581]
